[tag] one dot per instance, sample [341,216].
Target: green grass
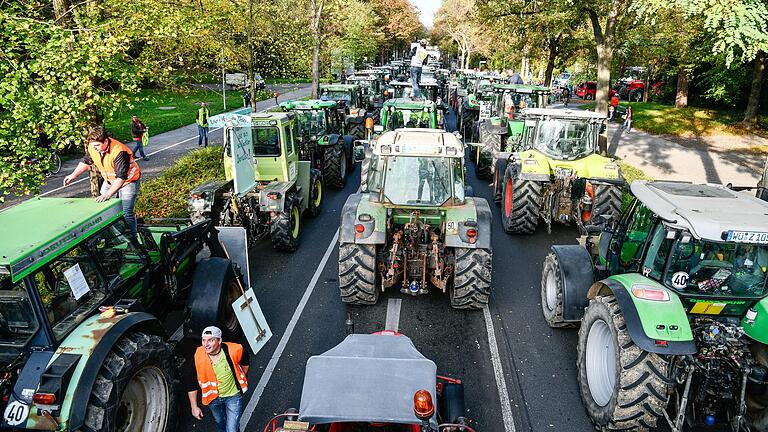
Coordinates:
[687,122]
[630,173]
[166,196]
[186,102]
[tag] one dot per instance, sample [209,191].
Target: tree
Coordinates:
[457,18]
[316,13]
[399,22]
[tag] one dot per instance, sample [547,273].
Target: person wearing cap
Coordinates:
[419,58]
[202,124]
[219,373]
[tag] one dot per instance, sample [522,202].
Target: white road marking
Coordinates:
[498,371]
[393,314]
[264,380]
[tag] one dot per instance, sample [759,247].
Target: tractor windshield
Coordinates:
[434,180]
[407,118]
[310,122]
[511,103]
[703,267]
[17,318]
[565,139]
[337,95]
[266,141]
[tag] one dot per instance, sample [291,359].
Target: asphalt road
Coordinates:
[538,363]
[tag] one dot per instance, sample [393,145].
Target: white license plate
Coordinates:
[198,203]
[747,237]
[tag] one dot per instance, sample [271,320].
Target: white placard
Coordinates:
[77,282]
[252,320]
[242,157]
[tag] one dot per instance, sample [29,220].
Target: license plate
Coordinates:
[198,203]
[747,237]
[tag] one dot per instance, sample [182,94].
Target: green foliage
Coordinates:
[166,196]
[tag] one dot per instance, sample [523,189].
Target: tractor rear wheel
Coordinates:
[286,226]
[552,293]
[485,154]
[471,278]
[357,274]
[335,165]
[636,95]
[606,201]
[133,391]
[315,193]
[357,130]
[520,204]
[622,386]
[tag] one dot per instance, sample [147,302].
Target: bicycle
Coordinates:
[54,162]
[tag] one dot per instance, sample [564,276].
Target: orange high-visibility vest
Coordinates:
[106,163]
[206,377]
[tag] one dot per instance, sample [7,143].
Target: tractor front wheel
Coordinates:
[335,166]
[520,204]
[471,279]
[636,95]
[134,388]
[316,193]
[552,293]
[286,226]
[622,386]
[357,274]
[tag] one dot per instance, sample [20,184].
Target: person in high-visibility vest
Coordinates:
[218,372]
[202,124]
[115,162]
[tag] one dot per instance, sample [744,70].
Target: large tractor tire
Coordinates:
[489,141]
[285,228]
[357,130]
[636,95]
[335,166]
[471,278]
[607,201]
[316,193]
[552,293]
[134,391]
[520,204]
[357,274]
[349,152]
[622,386]
[214,289]
[498,179]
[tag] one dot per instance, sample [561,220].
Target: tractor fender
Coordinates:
[576,273]
[203,302]
[349,218]
[460,216]
[266,204]
[92,341]
[333,139]
[649,322]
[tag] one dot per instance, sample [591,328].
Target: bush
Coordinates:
[166,196]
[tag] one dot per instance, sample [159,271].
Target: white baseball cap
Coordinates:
[212,331]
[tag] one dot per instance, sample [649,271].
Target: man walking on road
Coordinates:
[121,173]
[202,124]
[137,132]
[419,57]
[219,373]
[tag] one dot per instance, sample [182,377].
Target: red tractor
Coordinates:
[632,86]
[378,382]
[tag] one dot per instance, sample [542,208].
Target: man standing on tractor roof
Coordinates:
[202,124]
[419,58]
[219,373]
[115,162]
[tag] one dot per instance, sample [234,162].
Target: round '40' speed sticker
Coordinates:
[680,280]
[16,413]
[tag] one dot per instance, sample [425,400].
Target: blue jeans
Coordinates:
[415,78]
[202,134]
[127,195]
[226,412]
[138,147]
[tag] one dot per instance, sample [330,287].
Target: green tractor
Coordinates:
[319,129]
[479,96]
[500,125]
[267,187]
[672,303]
[371,82]
[556,173]
[411,113]
[415,236]
[350,99]
[83,305]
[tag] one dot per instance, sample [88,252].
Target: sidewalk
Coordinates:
[164,149]
[663,159]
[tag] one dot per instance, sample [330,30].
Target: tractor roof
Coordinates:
[401,84]
[366,378]
[368,72]
[522,88]
[409,103]
[40,229]
[270,118]
[419,142]
[339,87]
[707,211]
[562,113]
[363,77]
[311,104]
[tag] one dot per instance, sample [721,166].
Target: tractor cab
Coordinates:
[349,99]
[314,118]
[371,87]
[410,113]
[373,382]
[400,89]
[510,99]
[562,135]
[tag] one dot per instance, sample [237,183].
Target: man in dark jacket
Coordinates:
[137,132]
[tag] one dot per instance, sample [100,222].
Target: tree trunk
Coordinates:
[317,11]
[604,59]
[251,62]
[681,97]
[758,72]
[553,43]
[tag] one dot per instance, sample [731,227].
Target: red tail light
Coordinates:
[471,233]
[196,196]
[44,398]
[359,228]
[273,195]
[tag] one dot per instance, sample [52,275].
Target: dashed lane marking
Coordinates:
[393,315]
